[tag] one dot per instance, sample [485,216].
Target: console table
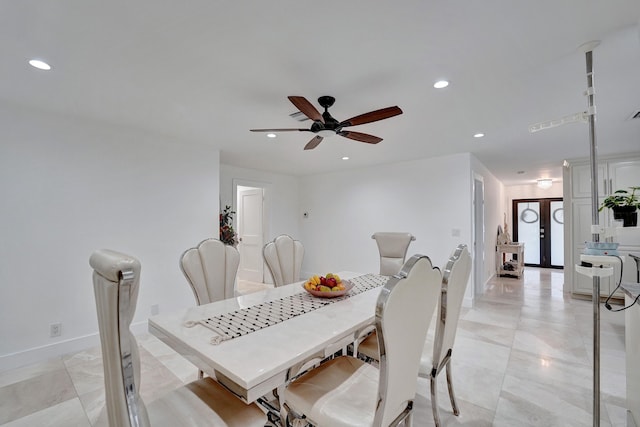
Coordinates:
[515,259]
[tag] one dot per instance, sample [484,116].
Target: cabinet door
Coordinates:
[581,218]
[581,180]
[623,175]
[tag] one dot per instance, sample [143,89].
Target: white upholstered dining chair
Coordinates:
[284,259]
[211,268]
[204,402]
[393,247]
[436,356]
[437,353]
[349,392]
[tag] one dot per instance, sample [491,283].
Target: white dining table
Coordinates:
[253,365]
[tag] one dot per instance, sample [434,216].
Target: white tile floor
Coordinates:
[523,357]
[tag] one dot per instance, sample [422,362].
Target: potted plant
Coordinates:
[228,235]
[624,206]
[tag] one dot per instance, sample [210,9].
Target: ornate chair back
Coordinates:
[116,279]
[393,248]
[210,269]
[403,313]
[284,259]
[454,285]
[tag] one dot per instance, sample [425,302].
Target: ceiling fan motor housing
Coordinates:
[326,101]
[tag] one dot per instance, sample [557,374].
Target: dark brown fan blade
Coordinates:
[362,137]
[279,130]
[372,116]
[313,143]
[306,107]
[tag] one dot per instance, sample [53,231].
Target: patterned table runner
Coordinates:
[244,321]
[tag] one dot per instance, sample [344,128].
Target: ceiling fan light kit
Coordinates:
[324,125]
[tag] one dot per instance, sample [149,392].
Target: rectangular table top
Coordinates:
[254,364]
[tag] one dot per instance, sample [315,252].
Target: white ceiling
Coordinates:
[208,71]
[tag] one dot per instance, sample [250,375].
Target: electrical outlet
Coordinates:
[155,309]
[55,330]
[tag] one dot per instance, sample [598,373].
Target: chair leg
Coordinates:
[200,374]
[284,416]
[284,411]
[452,395]
[434,399]
[292,419]
[408,421]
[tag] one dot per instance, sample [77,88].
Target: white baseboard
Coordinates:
[60,348]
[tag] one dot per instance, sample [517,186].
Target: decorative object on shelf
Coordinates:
[228,235]
[504,238]
[624,206]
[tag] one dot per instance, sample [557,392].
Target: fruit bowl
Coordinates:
[328,286]
[331,294]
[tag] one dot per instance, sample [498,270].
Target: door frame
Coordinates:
[545,218]
[478,245]
[266,203]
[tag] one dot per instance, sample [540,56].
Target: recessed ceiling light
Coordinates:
[345,158]
[40,65]
[271,135]
[478,135]
[440,84]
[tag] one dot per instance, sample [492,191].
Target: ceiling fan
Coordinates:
[325,125]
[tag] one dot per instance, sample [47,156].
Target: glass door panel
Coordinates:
[529,231]
[557,233]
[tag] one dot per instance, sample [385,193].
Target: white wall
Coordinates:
[281,197]
[428,198]
[70,187]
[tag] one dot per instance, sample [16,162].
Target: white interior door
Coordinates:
[250,210]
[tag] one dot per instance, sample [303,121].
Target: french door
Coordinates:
[539,223]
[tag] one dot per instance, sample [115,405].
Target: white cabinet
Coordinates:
[612,176]
[614,173]
[623,174]
[581,180]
